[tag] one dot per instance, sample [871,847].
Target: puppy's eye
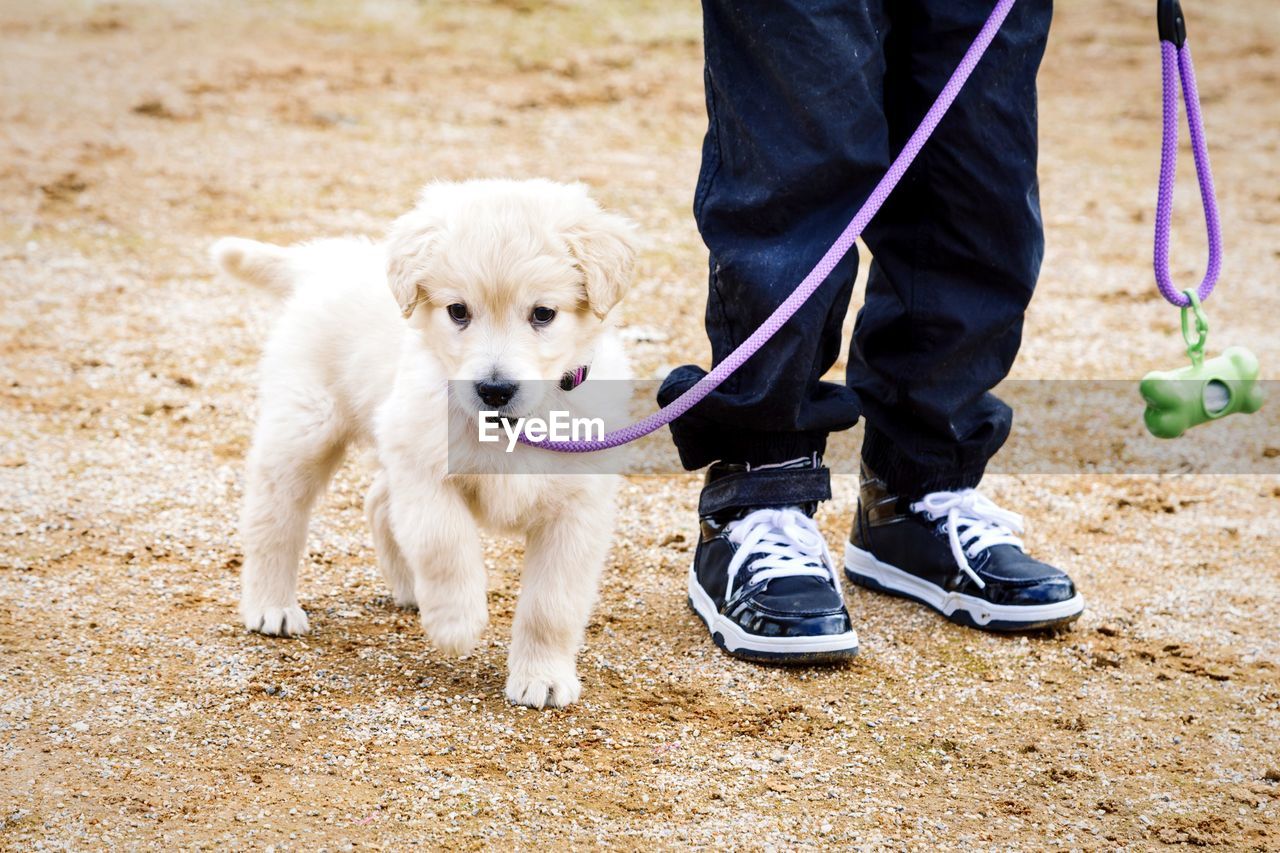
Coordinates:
[458,313]
[542,315]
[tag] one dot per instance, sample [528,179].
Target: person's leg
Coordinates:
[957,248]
[795,141]
[957,253]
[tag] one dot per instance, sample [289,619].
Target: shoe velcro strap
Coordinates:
[768,487]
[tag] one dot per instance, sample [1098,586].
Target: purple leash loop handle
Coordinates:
[1175,59]
[820,271]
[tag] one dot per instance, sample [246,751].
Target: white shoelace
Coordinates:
[974,524]
[786,544]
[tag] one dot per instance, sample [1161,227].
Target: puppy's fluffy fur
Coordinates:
[363,353]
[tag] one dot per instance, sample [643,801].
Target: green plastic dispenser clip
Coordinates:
[1207,390]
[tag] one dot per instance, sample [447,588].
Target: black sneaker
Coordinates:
[960,554]
[763,580]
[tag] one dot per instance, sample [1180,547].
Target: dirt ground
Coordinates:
[135,711]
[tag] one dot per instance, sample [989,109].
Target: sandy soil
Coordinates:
[134,711]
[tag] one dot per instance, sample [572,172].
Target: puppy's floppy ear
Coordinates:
[410,245]
[603,245]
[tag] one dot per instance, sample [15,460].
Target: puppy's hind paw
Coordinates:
[275,621]
[454,634]
[552,687]
[404,601]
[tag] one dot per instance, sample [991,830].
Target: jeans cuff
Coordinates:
[911,479]
[751,447]
[772,487]
[701,439]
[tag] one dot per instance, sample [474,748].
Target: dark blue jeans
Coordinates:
[808,101]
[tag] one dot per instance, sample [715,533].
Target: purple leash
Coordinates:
[844,242]
[1176,62]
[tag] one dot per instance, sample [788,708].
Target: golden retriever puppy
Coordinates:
[483,298]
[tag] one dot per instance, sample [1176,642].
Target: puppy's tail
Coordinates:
[263,264]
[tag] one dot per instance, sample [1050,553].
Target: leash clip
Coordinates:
[1195,342]
[1173,27]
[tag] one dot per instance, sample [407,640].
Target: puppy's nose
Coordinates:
[496,392]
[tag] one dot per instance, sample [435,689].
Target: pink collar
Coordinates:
[573,378]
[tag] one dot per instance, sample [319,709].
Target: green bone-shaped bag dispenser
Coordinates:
[1203,391]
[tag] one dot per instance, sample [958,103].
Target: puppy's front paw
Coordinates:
[548,685]
[275,621]
[454,632]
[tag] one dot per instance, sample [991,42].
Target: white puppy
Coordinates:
[503,287]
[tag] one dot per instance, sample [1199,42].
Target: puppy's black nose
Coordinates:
[496,392]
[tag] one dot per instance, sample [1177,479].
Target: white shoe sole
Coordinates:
[729,636]
[864,569]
